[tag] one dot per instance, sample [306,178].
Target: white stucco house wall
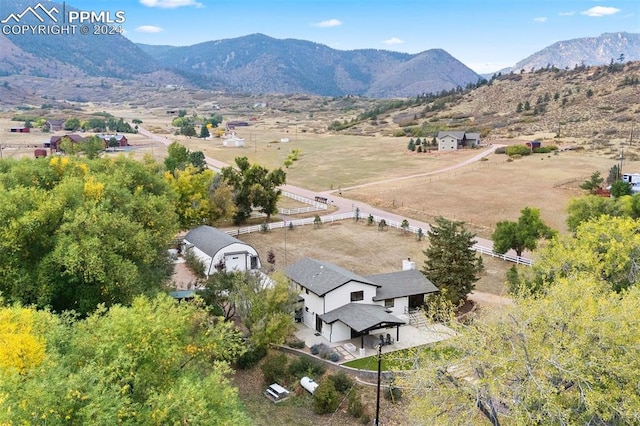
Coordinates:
[216,248]
[341,305]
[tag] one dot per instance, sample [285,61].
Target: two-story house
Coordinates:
[341,305]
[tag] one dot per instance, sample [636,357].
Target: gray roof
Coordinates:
[210,240]
[459,135]
[402,284]
[362,317]
[456,134]
[322,277]
[475,136]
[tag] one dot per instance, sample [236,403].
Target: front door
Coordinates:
[416,301]
[318,324]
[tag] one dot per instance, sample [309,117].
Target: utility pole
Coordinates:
[377,419]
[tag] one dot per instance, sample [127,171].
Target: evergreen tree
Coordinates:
[451,263]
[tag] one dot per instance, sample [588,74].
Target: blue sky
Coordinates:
[485,35]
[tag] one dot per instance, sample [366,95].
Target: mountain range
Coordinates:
[258,63]
[617,47]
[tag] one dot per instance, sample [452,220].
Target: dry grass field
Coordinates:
[359,248]
[480,194]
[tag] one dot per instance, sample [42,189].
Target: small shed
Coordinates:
[20,130]
[220,251]
[533,145]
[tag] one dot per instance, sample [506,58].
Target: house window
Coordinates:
[388,303]
[254,262]
[357,296]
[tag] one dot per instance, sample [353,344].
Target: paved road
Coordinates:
[344,204]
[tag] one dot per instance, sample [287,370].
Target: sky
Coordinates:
[486,35]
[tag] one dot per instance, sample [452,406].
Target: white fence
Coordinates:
[314,206]
[515,259]
[391,223]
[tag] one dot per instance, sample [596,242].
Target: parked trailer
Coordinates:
[632,178]
[308,384]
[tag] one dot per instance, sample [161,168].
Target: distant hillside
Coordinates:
[593,106]
[95,55]
[260,64]
[583,51]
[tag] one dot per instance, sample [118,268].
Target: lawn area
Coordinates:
[404,359]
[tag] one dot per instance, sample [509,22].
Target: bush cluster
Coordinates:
[251,357]
[325,352]
[521,150]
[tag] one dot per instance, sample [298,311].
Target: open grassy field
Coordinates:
[480,194]
[360,248]
[490,191]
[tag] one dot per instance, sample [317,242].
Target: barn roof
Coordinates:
[402,284]
[210,240]
[322,277]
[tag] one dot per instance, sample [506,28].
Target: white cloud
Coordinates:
[599,11]
[392,41]
[170,4]
[328,24]
[570,13]
[149,29]
[540,19]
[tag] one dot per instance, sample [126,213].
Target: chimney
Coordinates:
[408,264]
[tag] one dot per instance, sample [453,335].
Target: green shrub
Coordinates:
[296,344]
[326,398]
[342,382]
[542,150]
[303,366]
[365,419]
[518,150]
[501,150]
[251,357]
[393,394]
[274,369]
[194,263]
[355,407]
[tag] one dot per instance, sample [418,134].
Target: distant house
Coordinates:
[54,141]
[121,140]
[452,140]
[340,304]
[20,130]
[231,139]
[234,124]
[54,125]
[219,251]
